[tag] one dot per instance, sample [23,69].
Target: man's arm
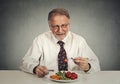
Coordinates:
[31,59]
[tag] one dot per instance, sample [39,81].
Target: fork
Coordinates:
[51,70]
[85,58]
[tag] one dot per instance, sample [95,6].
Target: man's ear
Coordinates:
[49,23]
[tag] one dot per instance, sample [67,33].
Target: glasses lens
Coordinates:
[58,26]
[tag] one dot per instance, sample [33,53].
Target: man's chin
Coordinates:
[60,37]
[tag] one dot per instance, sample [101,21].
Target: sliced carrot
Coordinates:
[56,77]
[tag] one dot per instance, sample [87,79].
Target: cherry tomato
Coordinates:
[68,74]
[73,76]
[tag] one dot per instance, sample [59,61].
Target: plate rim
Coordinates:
[64,80]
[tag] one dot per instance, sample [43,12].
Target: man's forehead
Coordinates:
[58,16]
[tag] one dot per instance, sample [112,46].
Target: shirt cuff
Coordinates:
[34,69]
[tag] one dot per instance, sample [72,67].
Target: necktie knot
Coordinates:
[61,43]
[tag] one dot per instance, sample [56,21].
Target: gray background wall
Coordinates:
[98,21]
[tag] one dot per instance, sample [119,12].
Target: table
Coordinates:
[19,77]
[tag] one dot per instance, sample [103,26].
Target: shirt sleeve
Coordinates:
[31,59]
[86,52]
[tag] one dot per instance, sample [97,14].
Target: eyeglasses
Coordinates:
[59,26]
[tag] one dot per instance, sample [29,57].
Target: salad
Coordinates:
[64,75]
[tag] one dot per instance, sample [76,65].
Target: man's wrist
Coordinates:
[89,67]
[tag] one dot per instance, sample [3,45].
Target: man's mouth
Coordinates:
[60,34]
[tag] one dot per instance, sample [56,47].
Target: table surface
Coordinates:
[19,77]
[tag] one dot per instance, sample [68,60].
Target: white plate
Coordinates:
[63,81]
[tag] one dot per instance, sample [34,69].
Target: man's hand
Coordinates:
[41,71]
[82,63]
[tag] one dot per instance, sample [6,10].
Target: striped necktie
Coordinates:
[62,58]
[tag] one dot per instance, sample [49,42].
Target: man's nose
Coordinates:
[60,29]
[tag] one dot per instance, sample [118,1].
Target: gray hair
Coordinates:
[58,11]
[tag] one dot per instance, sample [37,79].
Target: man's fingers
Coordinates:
[41,71]
[44,70]
[80,60]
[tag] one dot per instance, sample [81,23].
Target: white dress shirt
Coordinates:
[44,51]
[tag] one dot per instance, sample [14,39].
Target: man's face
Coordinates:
[59,25]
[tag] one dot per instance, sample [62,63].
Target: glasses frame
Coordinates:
[59,26]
